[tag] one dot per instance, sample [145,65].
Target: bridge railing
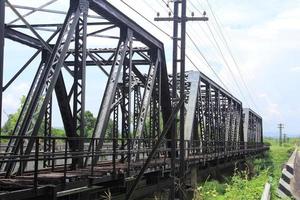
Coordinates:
[118,157]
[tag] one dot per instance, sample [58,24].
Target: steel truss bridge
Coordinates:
[135,160]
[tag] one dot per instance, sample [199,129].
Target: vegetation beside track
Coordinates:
[242,186]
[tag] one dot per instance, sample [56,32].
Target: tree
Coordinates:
[58,132]
[90,123]
[109,129]
[9,125]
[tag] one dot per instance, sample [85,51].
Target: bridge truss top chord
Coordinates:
[136,101]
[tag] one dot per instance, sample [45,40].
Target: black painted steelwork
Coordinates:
[143,150]
[2,21]
[253,127]
[213,115]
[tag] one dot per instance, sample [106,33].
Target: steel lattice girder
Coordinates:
[252,126]
[219,114]
[49,76]
[41,92]
[2,35]
[213,116]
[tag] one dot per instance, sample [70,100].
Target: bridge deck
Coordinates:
[104,172]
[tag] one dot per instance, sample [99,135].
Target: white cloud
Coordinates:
[11,98]
[295,69]
[263,36]
[271,110]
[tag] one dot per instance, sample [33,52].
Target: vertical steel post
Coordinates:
[261,132]
[115,134]
[36,162]
[2,21]
[182,86]
[65,161]
[280,126]
[174,96]
[80,75]
[128,97]
[53,155]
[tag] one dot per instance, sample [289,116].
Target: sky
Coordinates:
[263,37]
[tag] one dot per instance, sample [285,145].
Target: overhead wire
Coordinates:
[230,52]
[145,18]
[218,29]
[188,35]
[226,63]
[223,57]
[197,45]
[201,54]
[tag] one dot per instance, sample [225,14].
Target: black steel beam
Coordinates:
[22,38]
[29,61]
[166,104]
[135,69]
[113,50]
[35,33]
[110,90]
[182,91]
[156,146]
[52,62]
[54,25]
[31,125]
[106,63]
[108,11]
[2,21]
[64,107]
[205,78]
[172,135]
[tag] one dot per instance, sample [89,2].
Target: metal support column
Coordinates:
[2,21]
[80,74]
[126,104]
[115,132]
[174,96]
[108,97]
[155,147]
[176,20]
[47,133]
[182,88]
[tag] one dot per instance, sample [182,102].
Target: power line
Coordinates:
[191,39]
[202,55]
[205,59]
[206,35]
[213,44]
[145,18]
[146,2]
[226,63]
[230,52]
[160,3]
[223,57]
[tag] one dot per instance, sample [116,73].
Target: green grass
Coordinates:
[240,186]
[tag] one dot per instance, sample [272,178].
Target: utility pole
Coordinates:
[2,21]
[174,96]
[178,62]
[280,126]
